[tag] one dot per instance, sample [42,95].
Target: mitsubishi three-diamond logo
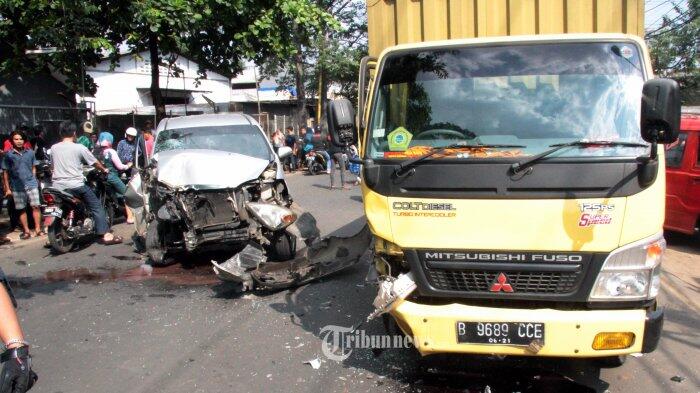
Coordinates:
[501,284]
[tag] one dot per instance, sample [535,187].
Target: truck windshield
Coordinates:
[529,95]
[241,139]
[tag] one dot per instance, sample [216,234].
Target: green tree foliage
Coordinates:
[328,55]
[217,34]
[675,50]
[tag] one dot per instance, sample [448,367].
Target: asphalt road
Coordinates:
[99,322]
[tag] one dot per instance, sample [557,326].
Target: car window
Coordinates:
[674,152]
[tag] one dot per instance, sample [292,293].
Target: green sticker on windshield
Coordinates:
[399,139]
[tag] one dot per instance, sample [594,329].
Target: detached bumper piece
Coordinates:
[434,329]
[323,257]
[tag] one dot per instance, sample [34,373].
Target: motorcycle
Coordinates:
[67,218]
[315,163]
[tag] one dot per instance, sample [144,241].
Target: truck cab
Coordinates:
[683,178]
[515,190]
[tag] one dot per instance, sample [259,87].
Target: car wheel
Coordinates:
[155,247]
[284,246]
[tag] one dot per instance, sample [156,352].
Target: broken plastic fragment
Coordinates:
[315,363]
[238,267]
[324,257]
[677,378]
[390,290]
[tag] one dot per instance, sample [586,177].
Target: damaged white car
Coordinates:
[213,181]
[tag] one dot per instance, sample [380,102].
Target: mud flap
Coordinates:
[324,257]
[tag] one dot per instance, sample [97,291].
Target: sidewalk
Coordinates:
[14,235]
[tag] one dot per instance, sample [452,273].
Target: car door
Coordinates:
[676,182]
[692,193]
[136,196]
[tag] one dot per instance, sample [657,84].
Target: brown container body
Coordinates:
[393,22]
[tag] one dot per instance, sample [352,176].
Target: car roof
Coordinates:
[217,119]
[690,122]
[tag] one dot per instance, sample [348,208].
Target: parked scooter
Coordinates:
[315,163]
[67,218]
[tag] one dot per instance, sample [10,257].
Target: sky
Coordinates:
[654,10]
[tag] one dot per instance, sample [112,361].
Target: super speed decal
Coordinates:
[595,214]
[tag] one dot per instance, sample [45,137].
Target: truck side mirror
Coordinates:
[341,122]
[661,111]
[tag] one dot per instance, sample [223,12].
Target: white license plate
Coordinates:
[53,211]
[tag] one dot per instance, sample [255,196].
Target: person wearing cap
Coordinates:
[85,139]
[127,146]
[110,159]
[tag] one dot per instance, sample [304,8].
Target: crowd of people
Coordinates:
[24,148]
[310,139]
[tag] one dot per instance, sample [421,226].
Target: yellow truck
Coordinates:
[511,175]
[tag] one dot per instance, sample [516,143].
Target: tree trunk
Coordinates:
[156,94]
[301,114]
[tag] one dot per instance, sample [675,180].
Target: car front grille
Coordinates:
[530,282]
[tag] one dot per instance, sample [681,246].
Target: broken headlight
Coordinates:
[631,272]
[272,216]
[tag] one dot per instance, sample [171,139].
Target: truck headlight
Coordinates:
[271,216]
[631,272]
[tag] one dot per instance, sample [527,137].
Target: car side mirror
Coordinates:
[284,152]
[140,156]
[661,111]
[341,122]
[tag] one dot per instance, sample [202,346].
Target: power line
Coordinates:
[657,6]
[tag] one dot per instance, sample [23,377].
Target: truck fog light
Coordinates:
[613,340]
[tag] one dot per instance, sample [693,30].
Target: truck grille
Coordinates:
[522,282]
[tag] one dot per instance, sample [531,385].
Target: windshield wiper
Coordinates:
[522,165]
[407,164]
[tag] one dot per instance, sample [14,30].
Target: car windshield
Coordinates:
[526,95]
[242,139]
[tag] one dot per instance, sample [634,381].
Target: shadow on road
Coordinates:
[682,242]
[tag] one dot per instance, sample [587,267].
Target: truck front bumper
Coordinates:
[567,333]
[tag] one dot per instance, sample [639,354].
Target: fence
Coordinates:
[13,116]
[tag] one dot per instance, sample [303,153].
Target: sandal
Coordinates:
[41,233]
[115,240]
[4,240]
[25,236]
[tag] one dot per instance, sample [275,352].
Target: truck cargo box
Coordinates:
[393,22]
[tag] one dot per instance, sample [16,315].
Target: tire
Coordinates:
[284,247]
[611,361]
[58,239]
[154,246]
[314,168]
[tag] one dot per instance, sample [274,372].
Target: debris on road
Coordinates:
[321,258]
[314,363]
[677,378]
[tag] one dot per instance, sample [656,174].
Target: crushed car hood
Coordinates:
[206,169]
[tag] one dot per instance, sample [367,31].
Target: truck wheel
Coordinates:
[155,247]
[284,246]
[611,361]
